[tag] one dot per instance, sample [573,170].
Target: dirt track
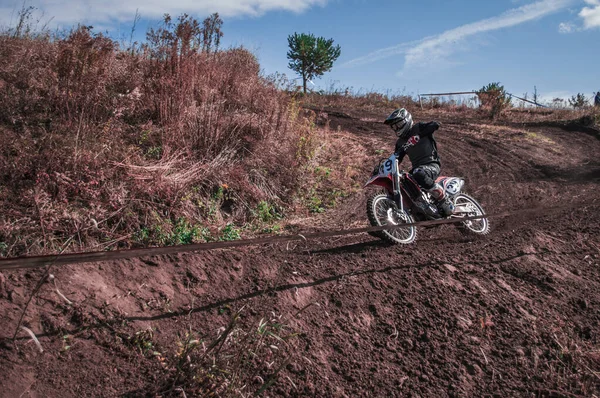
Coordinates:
[514,314]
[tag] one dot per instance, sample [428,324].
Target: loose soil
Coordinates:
[515,313]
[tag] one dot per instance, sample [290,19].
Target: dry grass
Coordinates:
[101,144]
[241,359]
[368,102]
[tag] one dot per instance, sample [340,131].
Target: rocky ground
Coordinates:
[513,314]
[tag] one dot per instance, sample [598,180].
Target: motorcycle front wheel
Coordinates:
[382,211]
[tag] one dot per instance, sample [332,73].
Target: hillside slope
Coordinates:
[514,314]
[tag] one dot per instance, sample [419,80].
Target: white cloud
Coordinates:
[436,48]
[382,54]
[566,27]
[108,12]
[591,15]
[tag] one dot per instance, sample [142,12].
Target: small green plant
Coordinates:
[334,196]
[142,236]
[230,232]
[142,340]
[219,194]
[184,233]
[66,343]
[154,152]
[164,233]
[144,137]
[307,145]
[267,212]
[3,249]
[273,229]
[314,203]
[323,172]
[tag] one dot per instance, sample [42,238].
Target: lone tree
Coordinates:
[494,97]
[311,56]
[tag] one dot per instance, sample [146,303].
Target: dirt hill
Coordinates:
[513,314]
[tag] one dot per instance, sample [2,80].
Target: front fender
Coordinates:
[385,182]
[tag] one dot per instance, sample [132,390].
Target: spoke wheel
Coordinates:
[382,211]
[479,226]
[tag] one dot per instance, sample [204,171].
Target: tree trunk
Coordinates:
[304,82]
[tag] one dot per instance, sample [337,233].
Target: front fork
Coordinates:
[396,187]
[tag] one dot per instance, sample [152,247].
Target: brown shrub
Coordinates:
[100,144]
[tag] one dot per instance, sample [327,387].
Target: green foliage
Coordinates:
[323,171]
[494,97]
[230,232]
[311,56]
[266,212]
[322,194]
[66,343]
[578,101]
[142,340]
[307,145]
[150,145]
[272,229]
[154,152]
[3,249]
[184,233]
[314,202]
[165,233]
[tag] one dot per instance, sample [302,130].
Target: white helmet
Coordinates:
[401,122]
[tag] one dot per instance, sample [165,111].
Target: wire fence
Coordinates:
[476,98]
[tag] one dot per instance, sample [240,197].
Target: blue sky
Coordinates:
[397,46]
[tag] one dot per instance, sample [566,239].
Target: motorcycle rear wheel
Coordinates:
[472,227]
[381,211]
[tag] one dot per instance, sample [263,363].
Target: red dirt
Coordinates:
[513,314]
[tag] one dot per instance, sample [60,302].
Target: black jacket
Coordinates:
[420,147]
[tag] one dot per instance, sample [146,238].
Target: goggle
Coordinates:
[398,125]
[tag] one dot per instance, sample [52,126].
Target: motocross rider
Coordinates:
[416,141]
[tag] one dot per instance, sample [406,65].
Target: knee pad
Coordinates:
[421,177]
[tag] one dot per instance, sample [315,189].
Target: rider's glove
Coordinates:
[375,171]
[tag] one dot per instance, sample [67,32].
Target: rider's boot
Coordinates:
[427,208]
[442,202]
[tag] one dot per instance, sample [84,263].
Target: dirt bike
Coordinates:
[404,202]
